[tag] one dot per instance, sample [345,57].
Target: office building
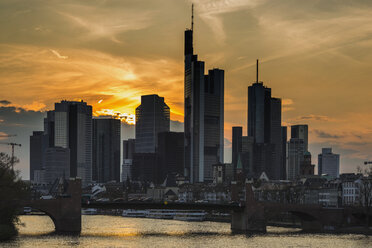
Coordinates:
[300,132]
[145,168]
[57,164]
[171,154]
[296,149]
[204,116]
[152,117]
[73,130]
[329,163]
[106,149]
[128,154]
[237,134]
[306,168]
[283,171]
[264,125]
[37,147]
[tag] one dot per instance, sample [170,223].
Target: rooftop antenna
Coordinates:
[257,72]
[192,17]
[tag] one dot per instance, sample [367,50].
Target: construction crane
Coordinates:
[12,145]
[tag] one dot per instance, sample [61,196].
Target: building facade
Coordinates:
[204,116]
[264,125]
[329,163]
[73,130]
[296,149]
[57,164]
[152,117]
[106,149]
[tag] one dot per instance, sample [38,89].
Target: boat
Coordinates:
[166,214]
[190,215]
[89,211]
[134,213]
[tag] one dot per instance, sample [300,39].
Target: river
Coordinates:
[116,231]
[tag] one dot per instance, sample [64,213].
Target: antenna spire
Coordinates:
[257,72]
[192,17]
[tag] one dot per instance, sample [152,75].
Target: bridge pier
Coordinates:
[65,212]
[252,219]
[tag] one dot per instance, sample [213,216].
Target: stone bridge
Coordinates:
[249,217]
[65,212]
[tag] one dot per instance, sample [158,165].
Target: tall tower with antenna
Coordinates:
[203,123]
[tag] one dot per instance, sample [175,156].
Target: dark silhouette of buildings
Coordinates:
[307,169]
[145,168]
[329,163]
[57,164]
[73,130]
[152,117]
[170,153]
[264,125]
[128,153]
[37,147]
[300,132]
[204,115]
[106,149]
[283,171]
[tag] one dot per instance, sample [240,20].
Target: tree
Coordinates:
[365,191]
[12,191]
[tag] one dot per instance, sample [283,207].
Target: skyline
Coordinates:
[49,66]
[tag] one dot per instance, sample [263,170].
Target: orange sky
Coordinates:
[315,55]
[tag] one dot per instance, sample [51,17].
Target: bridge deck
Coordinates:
[171,205]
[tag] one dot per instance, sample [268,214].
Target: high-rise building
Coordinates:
[204,116]
[329,163]
[237,134]
[306,168]
[73,130]
[283,171]
[171,154]
[57,164]
[128,148]
[246,156]
[145,168]
[296,149]
[37,147]
[106,149]
[300,132]
[152,117]
[128,154]
[264,125]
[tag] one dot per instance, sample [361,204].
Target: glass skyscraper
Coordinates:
[152,117]
[204,116]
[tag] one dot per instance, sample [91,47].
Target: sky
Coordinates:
[315,55]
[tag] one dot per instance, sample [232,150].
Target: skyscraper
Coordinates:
[152,117]
[296,149]
[57,163]
[128,154]
[204,115]
[329,163]
[37,147]
[73,130]
[264,125]
[106,149]
[170,153]
[237,133]
[300,132]
[283,171]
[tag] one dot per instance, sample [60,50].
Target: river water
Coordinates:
[116,231]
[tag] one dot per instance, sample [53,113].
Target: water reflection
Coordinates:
[111,231]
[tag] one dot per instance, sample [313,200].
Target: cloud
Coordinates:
[5,102]
[313,118]
[325,135]
[58,54]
